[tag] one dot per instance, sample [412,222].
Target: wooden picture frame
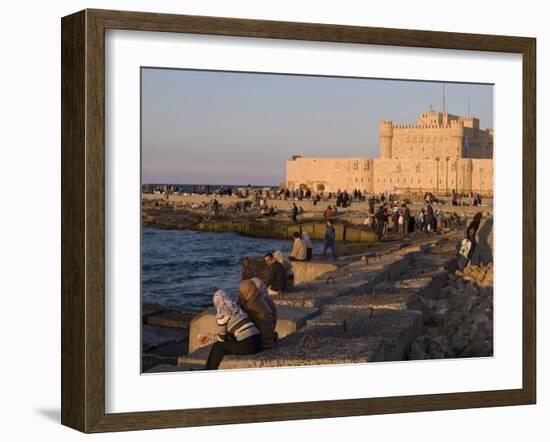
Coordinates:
[83,219]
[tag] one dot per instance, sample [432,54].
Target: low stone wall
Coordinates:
[316,231]
[303,271]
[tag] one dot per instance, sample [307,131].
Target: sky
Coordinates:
[214,127]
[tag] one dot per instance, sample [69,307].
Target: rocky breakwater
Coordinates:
[370,308]
[459,323]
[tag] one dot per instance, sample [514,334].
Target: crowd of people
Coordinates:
[398,218]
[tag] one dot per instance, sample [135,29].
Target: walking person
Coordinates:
[237,334]
[330,240]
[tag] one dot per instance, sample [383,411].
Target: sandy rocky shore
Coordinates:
[460,322]
[456,318]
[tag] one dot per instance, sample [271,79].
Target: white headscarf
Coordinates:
[305,237]
[278,255]
[225,306]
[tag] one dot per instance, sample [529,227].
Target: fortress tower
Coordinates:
[442,152]
[386,139]
[457,138]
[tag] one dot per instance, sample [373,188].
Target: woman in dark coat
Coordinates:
[258,311]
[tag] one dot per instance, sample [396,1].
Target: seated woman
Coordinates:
[262,290]
[278,255]
[258,311]
[309,246]
[237,334]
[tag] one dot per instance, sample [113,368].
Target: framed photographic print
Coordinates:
[317,220]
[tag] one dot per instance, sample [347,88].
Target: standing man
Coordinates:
[380,220]
[406,213]
[330,240]
[294,212]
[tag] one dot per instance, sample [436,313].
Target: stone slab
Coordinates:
[176,319]
[289,319]
[319,293]
[197,357]
[378,301]
[312,347]
[165,368]
[398,329]
[303,271]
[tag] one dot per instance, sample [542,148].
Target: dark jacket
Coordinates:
[260,314]
[330,235]
[277,277]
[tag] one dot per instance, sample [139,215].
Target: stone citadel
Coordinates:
[441,153]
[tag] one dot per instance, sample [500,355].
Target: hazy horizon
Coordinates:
[202,127]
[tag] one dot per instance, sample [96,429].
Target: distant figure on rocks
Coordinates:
[299,249]
[406,214]
[329,213]
[237,334]
[474,225]
[430,218]
[465,250]
[294,215]
[258,311]
[278,255]
[309,246]
[330,240]
[277,279]
[380,223]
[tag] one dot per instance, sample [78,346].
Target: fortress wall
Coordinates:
[424,142]
[440,177]
[482,176]
[330,174]
[390,175]
[480,144]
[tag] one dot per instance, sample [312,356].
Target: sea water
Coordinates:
[183,268]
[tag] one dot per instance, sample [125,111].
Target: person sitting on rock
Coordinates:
[309,246]
[465,250]
[299,249]
[258,311]
[237,334]
[277,279]
[278,255]
[262,290]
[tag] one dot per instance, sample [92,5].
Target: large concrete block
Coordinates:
[313,347]
[289,319]
[169,318]
[310,270]
[377,301]
[203,323]
[303,271]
